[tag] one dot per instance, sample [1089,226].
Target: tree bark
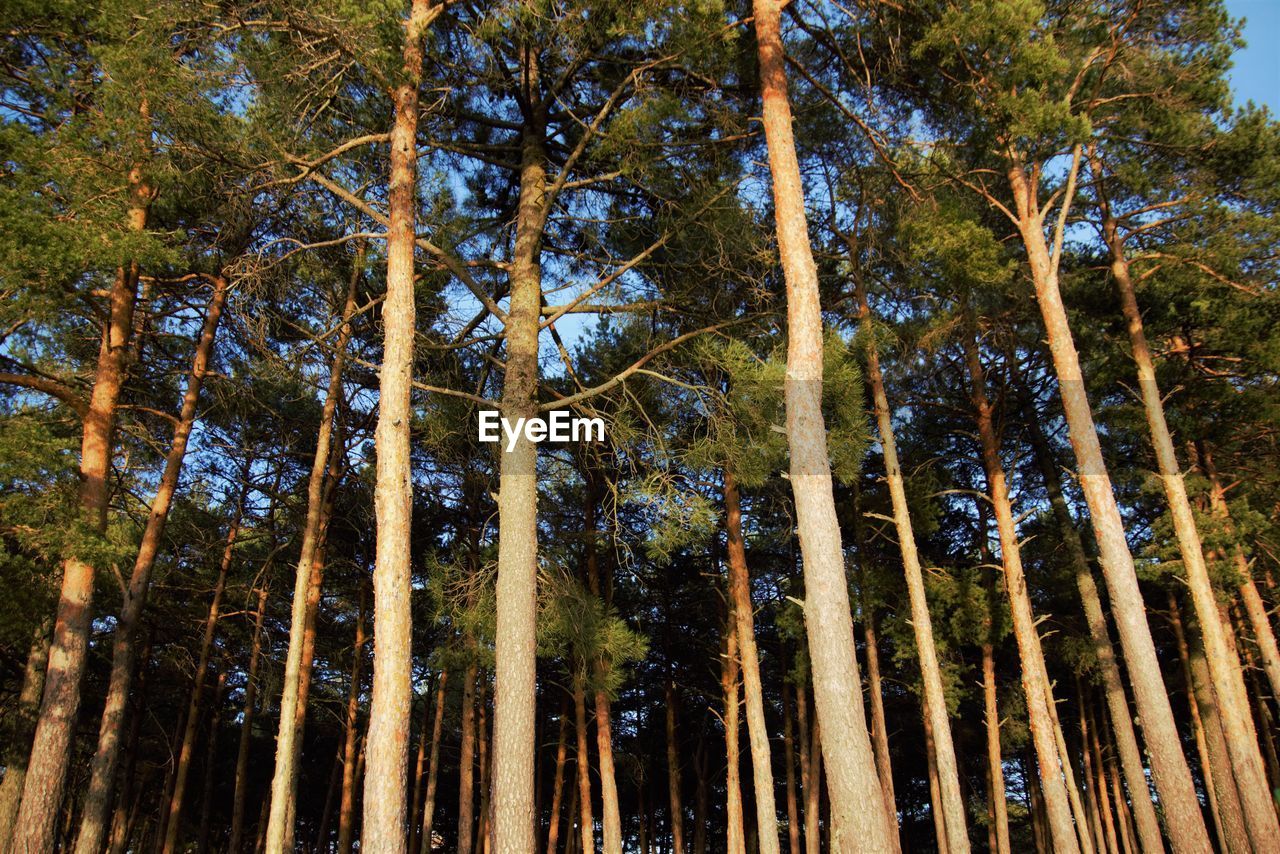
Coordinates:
[789,755]
[999,805]
[582,764]
[26,712]
[753,691]
[1035,677]
[351,729]
[1224,666]
[857,802]
[106,759]
[1093,750]
[210,765]
[173,822]
[1148,826]
[246,725]
[1168,764]
[433,767]
[735,830]
[386,811]
[46,774]
[284,781]
[467,762]
[675,798]
[557,785]
[935,791]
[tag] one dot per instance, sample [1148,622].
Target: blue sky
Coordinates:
[1256,75]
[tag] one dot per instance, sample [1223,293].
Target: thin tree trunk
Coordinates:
[557,785]
[1039,823]
[1224,666]
[582,764]
[934,699]
[1168,764]
[284,781]
[386,749]
[1148,825]
[246,725]
[173,822]
[1124,818]
[124,816]
[753,691]
[789,754]
[999,805]
[332,793]
[1078,811]
[484,833]
[813,793]
[467,762]
[735,830]
[675,798]
[210,765]
[1219,776]
[351,727]
[1095,776]
[935,791]
[106,759]
[857,802]
[50,755]
[1035,678]
[701,798]
[433,766]
[26,712]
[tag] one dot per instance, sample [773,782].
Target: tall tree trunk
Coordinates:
[1069,777]
[1148,826]
[173,822]
[753,691]
[1168,764]
[857,802]
[26,711]
[1215,763]
[515,673]
[484,832]
[1224,666]
[433,766]
[813,792]
[1259,622]
[935,704]
[1035,677]
[789,755]
[735,830]
[1102,792]
[210,765]
[106,758]
[582,764]
[246,725]
[124,816]
[351,728]
[386,750]
[331,794]
[284,781]
[999,805]
[50,755]
[557,785]
[675,800]
[701,798]
[467,762]
[1123,816]
[935,791]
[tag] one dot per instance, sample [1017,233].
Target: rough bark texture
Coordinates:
[25,713]
[1224,666]
[515,689]
[582,764]
[997,800]
[467,762]
[736,832]
[51,745]
[857,802]
[1168,764]
[106,758]
[749,656]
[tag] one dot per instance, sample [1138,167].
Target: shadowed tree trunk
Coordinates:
[46,774]
[582,764]
[125,814]
[467,762]
[789,747]
[857,802]
[433,766]
[1168,764]
[735,829]
[351,729]
[246,724]
[210,765]
[675,800]
[28,708]
[106,759]
[557,785]
[996,797]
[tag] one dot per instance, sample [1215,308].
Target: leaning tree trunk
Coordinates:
[1135,775]
[26,711]
[752,689]
[386,810]
[106,758]
[1168,764]
[515,673]
[1224,665]
[857,802]
[173,822]
[935,702]
[1035,677]
[46,775]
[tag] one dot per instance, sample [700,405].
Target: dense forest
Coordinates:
[937,346]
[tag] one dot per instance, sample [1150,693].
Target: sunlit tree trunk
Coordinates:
[582,764]
[857,802]
[1168,764]
[1224,666]
[735,829]
[50,755]
[935,791]
[106,759]
[999,805]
